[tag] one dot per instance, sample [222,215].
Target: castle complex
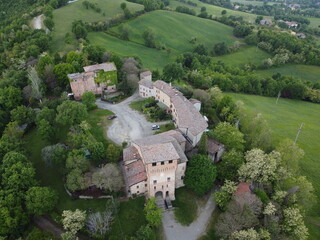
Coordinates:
[156,165]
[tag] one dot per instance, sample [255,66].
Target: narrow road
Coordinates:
[175,231]
[129,124]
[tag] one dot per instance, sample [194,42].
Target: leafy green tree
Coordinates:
[200,49]
[49,23]
[46,114]
[43,62]
[97,151]
[173,71]
[108,178]
[60,72]
[79,29]
[149,38]
[228,167]
[40,200]
[10,98]
[223,12]
[203,144]
[22,115]
[220,49]
[224,195]
[77,159]
[46,131]
[71,113]
[227,110]
[113,153]
[153,213]
[12,158]
[95,53]
[123,5]
[145,232]
[89,99]
[32,51]
[229,135]
[75,180]
[54,154]
[242,30]
[200,174]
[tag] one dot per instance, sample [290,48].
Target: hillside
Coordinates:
[63,18]
[183,28]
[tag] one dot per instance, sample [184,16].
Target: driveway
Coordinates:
[175,231]
[129,124]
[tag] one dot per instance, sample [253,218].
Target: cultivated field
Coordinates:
[303,72]
[175,30]
[63,18]
[285,119]
[245,55]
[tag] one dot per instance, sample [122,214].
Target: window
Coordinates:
[137,186]
[137,191]
[154,181]
[182,177]
[154,164]
[162,163]
[168,179]
[155,188]
[170,161]
[162,186]
[146,185]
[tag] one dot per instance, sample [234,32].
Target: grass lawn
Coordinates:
[138,105]
[245,55]
[185,205]
[151,58]
[183,28]
[215,11]
[303,72]
[285,119]
[165,127]
[52,176]
[129,219]
[63,18]
[314,22]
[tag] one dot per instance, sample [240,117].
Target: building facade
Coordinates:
[97,79]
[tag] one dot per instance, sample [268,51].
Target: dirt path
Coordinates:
[129,124]
[37,22]
[175,231]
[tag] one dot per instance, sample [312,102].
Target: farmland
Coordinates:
[284,120]
[63,18]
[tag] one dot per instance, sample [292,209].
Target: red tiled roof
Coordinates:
[135,172]
[242,188]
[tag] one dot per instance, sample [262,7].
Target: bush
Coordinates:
[261,194]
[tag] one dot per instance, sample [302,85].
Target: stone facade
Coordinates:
[86,81]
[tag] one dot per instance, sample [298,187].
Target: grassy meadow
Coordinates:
[215,11]
[303,72]
[246,54]
[285,119]
[63,18]
[183,28]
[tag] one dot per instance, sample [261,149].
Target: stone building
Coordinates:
[97,79]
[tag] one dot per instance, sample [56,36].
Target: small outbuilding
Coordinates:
[215,150]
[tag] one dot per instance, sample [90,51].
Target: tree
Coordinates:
[149,38]
[22,115]
[242,30]
[145,232]
[153,213]
[12,158]
[49,23]
[173,71]
[200,174]
[123,5]
[220,49]
[46,114]
[224,195]
[89,99]
[250,234]
[36,83]
[293,224]
[60,72]
[42,63]
[229,135]
[261,167]
[40,200]
[108,178]
[95,53]
[79,29]
[73,221]
[75,180]
[97,151]
[54,154]
[203,144]
[223,12]
[71,113]
[228,168]
[200,49]
[10,98]
[291,154]
[113,153]
[46,131]
[76,159]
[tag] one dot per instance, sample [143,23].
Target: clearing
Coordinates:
[303,72]
[284,120]
[63,18]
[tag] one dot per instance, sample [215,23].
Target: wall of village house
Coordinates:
[146,92]
[180,173]
[194,139]
[139,188]
[79,87]
[162,97]
[162,178]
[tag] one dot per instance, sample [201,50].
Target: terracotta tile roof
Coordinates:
[160,148]
[176,134]
[146,83]
[81,76]
[103,66]
[243,187]
[145,74]
[135,172]
[130,153]
[214,146]
[193,101]
[166,88]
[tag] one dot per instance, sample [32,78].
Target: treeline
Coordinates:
[221,3]
[151,5]
[93,6]
[204,72]
[298,19]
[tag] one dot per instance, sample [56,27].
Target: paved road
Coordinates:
[175,231]
[129,124]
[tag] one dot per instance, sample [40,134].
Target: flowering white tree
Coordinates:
[269,209]
[260,167]
[250,234]
[36,83]
[73,221]
[109,178]
[293,224]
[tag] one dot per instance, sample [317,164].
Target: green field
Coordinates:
[215,11]
[246,54]
[63,18]
[151,58]
[175,30]
[314,22]
[284,120]
[303,72]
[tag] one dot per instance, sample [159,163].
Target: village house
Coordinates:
[301,35]
[291,24]
[266,22]
[97,79]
